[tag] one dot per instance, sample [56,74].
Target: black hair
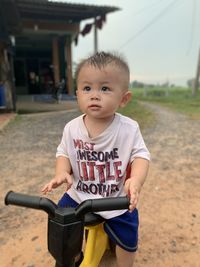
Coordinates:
[102,59]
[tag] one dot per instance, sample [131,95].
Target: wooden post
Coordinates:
[6,78]
[56,65]
[196,80]
[95,37]
[68,58]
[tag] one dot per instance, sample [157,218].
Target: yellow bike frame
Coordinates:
[96,244]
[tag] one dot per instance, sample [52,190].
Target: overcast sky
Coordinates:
[159,38]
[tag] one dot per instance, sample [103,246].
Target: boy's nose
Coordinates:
[95,95]
[95,98]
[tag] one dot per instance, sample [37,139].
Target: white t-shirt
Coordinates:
[101,165]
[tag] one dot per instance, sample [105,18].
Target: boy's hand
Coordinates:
[57,181]
[132,191]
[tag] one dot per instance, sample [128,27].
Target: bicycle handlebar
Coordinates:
[34,202]
[45,204]
[65,225]
[102,204]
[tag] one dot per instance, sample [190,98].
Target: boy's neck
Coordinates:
[97,126]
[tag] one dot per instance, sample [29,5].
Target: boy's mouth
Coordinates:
[94,106]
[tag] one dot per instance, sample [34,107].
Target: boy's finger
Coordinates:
[44,188]
[69,179]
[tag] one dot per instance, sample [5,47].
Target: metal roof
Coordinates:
[60,11]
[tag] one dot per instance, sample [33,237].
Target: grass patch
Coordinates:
[15,120]
[137,112]
[178,99]
[31,111]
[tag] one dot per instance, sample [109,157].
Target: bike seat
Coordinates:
[92,219]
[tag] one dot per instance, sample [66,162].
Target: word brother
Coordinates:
[97,168]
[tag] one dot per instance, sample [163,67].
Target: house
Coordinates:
[35,45]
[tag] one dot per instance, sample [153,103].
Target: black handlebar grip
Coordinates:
[33,202]
[110,203]
[23,200]
[102,204]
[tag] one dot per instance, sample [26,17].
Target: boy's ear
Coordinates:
[125,99]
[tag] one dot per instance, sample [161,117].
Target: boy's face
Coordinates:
[100,92]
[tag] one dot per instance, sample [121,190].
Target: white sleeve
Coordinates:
[139,149]
[62,149]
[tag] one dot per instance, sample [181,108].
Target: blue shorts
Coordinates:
[122,230]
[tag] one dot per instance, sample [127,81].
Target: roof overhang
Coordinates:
[60,11]
[38,20]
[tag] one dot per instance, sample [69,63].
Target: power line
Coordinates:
[153,21]
[147,7]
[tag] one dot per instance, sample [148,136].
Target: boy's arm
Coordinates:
[133,185]
[62,175]
[62,165]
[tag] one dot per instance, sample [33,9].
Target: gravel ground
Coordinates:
[169,204]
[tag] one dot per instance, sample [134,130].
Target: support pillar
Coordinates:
[6,78]
[56,63]
[68,57]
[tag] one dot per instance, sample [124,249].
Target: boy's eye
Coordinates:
[86,88]
[105,89]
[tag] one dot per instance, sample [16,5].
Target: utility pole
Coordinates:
[95,37]
[196,80]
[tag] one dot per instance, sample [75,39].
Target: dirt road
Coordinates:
[169,203]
